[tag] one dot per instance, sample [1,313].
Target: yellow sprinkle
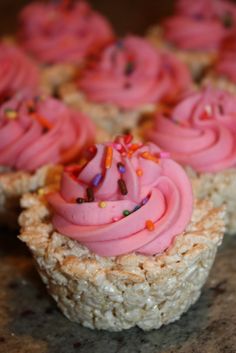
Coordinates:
[41,191]
[11,114]
[102,204]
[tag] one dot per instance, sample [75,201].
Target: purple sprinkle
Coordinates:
[145,200]
[97,179]
[121,168]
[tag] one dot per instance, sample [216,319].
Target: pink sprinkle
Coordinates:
[164,154]
[118,146]
[115,219]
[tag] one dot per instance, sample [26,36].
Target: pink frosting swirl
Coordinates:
[226,63]
[39,131]
[17,71]
[63,33]
[201,131]
[131,73]
[201,26]
[157,201]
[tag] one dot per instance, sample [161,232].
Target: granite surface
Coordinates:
[31,323]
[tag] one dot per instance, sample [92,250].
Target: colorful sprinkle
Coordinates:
[122,187]
[121,167]
[72,168]
[129,68]
[102,204]
[128,138]
[90,194]
[150,225]
[109,157]
[97,179]
[149,157]
[144,201]
[92,149]
[134,147]
[42,121]
[139,172]
[80,200]
[117,146]
[130,154]
[41,191]
[10,113]
[126,213]
[115,219]
[136,208]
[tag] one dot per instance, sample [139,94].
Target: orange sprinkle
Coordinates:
[134,147]
[150,225]
[72,168]
[124,154]
[129,154]
[139,172]
[109,157]
[150,157]
[42,121]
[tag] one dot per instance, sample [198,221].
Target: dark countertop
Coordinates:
[31,323]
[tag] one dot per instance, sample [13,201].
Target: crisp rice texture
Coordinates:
[220,188]
[107,117]
[13,184]
[197,61]
[219,81]
[53,76]
[116,293]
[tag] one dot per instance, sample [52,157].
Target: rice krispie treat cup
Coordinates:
[17,71]
[194,33]
[120,243]
[61,36]
[200,134]
[36,134]
[126,80]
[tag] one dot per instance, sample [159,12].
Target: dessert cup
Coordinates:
[37,135]
[194,33]
[200,134]
[126,80]
[61,36]
[112,269]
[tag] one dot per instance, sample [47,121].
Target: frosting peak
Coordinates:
[59,33]
[35,131]
[127,197]
[200,131]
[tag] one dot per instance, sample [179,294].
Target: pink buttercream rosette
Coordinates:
[17,71]
[127,198]
[201,26]
[36,131]
[131,73]
[37,136]
[66,32]
[200,133]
